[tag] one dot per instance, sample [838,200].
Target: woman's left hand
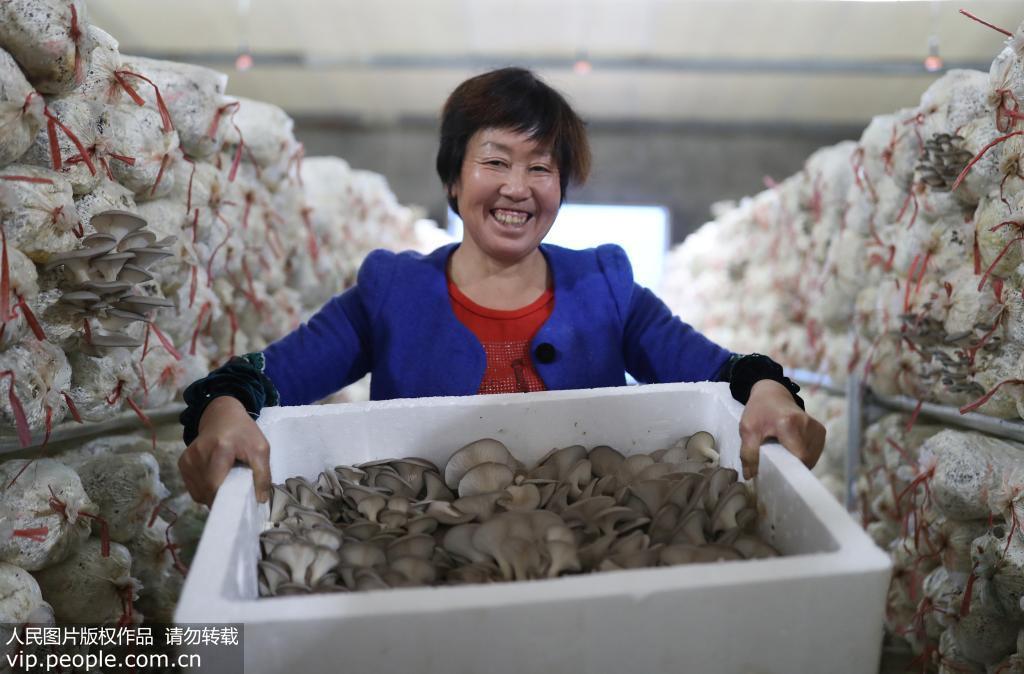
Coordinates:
[771,413]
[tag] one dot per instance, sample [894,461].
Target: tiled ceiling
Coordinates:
[662,60]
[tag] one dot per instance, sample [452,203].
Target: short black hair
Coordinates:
[516,99]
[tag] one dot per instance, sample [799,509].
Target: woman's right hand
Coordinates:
[226,433]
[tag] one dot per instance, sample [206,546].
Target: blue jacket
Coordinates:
[397,323]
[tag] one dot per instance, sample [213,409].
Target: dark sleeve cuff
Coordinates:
[241,378]
[742,372]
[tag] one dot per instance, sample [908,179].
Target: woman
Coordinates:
[497,313]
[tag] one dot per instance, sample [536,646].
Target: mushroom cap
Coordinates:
[116,319]
[279,499]
[484,478]
[691,528]
[116,223]
[132,273]
[480,506]
[361,554]
[107,288]
[362,530]
[701,447]
[326,537]
[74,261]
[480,451]
[83,299]
[632,466]
[104,340]
[415,570]
[459,541]
[563,557]
[273,575]
[523,497]
[446,513]
[140,238]
[435,489]
[144,257]
[140,304]
[411,545]
[371,506]
[752,547]
[718,481]
[564,459]
[731,501]
[99,243]
[109,264]
[605,460]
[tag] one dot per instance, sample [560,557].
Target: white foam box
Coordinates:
[818,608]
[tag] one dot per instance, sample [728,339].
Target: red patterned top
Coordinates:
[505,336]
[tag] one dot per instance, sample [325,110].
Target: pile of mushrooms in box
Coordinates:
[485,517]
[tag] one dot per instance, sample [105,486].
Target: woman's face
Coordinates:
[508,193]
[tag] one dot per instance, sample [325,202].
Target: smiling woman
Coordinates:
[501,312]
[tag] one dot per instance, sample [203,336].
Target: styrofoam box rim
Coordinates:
[211,592]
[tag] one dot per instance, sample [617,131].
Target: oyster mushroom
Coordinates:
[664,523]
[446,513]
[605,460]
[701,447]
[326,537]
[371,506]
[393,519]
[631,467]
[107,288]
[730,503]
[484,478]
[349,473]
[116,223]
[635,540]
[279,499]
[435,488]
[563,558]
[110,264]
[421,524]
[81,299]
[361,531]
[718,480]
[101,343]
[652,494]
[475,453]
[75,262]
[691,528]
[272,576]
[146,257]
[360,554]
[140,238]
[585,511]
[116,319]
[577,477]
[271,538]
[632,560]
[414,570]
[480,506]
[142,304]
[458,541]
[412,545]
[524,497]
[131,273]
[565,459]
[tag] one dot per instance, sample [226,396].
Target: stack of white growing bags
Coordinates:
[901,257]
[243,239]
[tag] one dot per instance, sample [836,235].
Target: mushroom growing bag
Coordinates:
[49,39]
[21,111]
[42,512]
